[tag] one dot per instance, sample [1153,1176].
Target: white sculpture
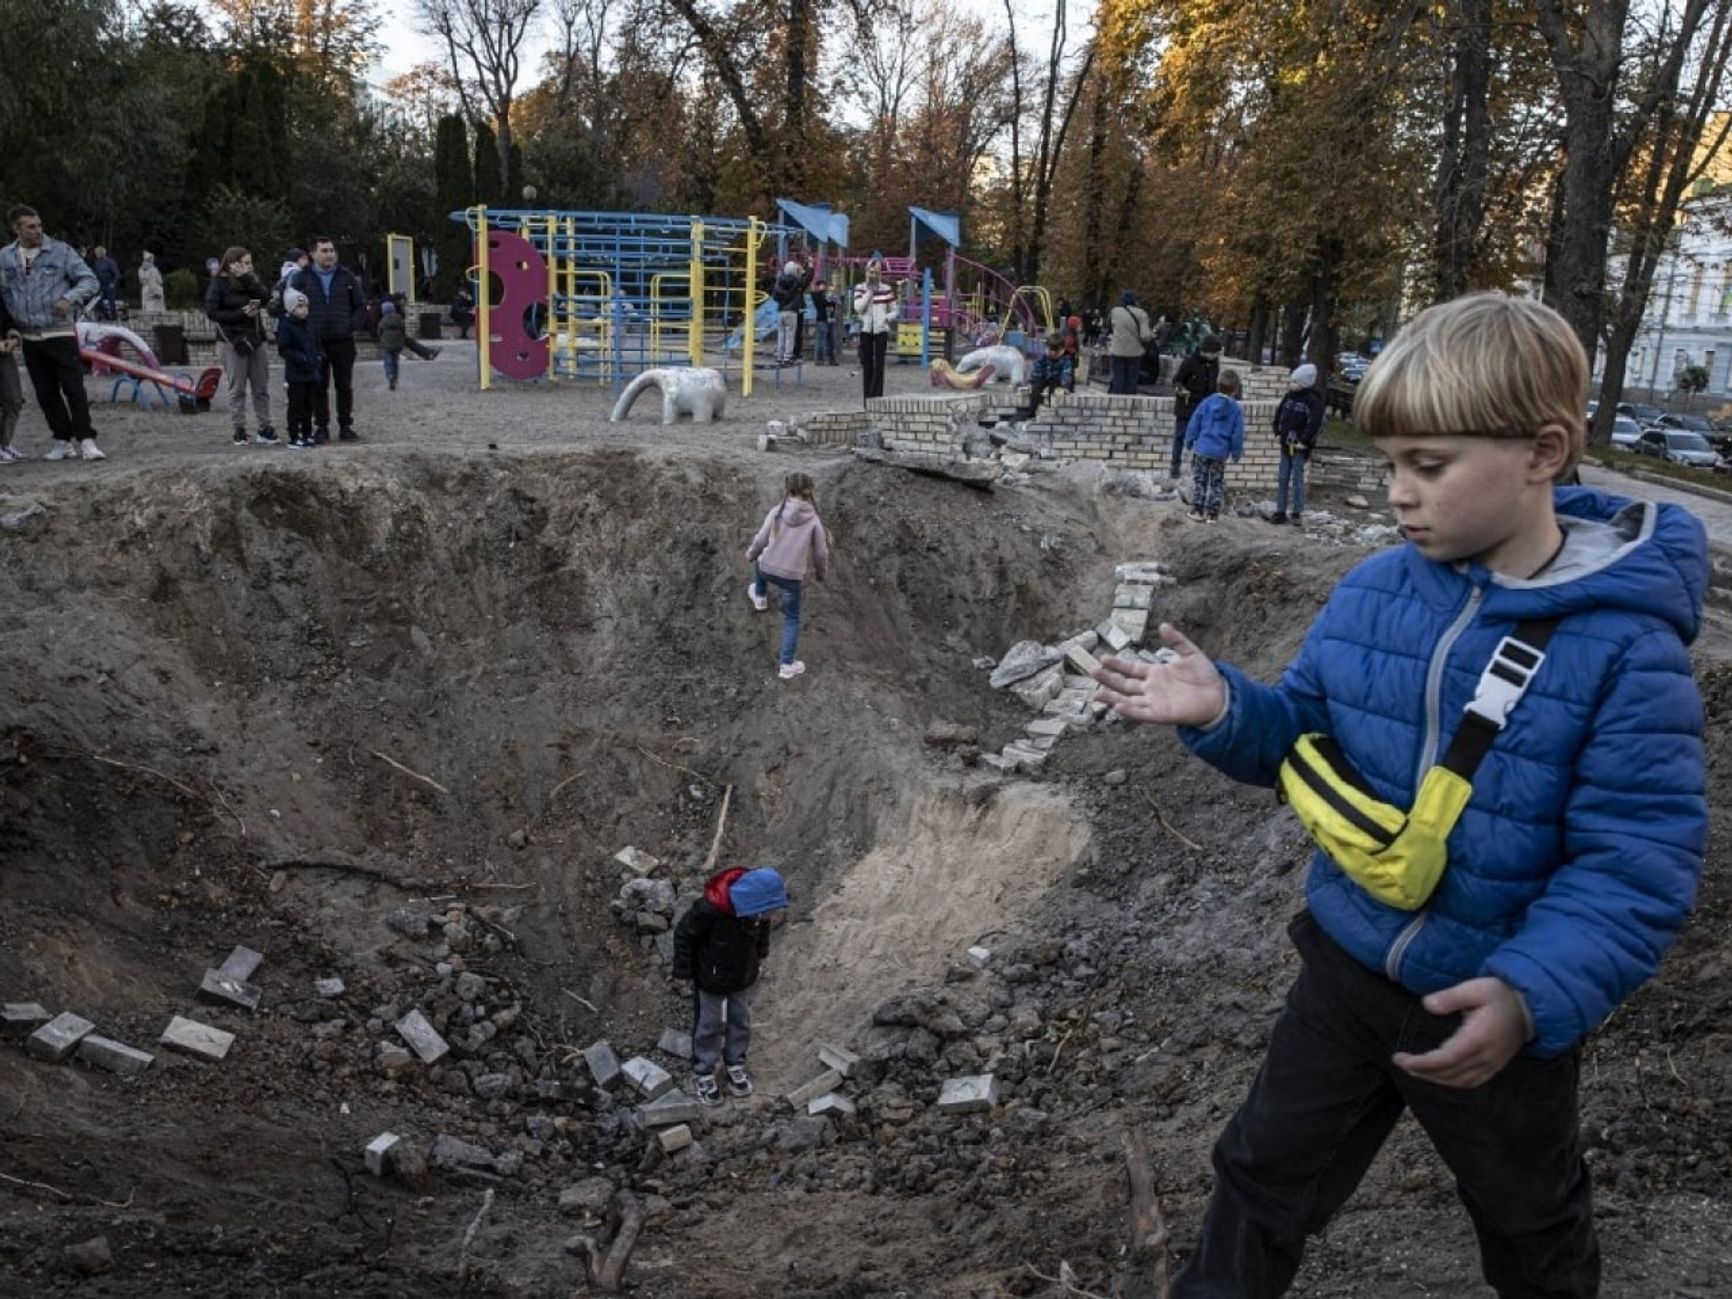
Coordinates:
[1009,365]
[702,394]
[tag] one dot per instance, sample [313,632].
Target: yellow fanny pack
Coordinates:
[1399,856]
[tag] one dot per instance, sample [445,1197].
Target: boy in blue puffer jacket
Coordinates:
[1216,431]
[1555,621]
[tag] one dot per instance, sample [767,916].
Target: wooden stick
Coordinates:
[408,771]
[239,824]
[68,1195]
[607,1276]
[188,790]
[1149,1264]
[673,766]
[469,1237]
[721,827]
[582,1001]
[554,792]
[1190,843]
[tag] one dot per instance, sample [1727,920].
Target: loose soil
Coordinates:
[540,616]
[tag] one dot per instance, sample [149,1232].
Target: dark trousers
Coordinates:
[416,346]
[1123,377]
[340,365]
[1179,422]
[57,376]
[872,350]
[302,398]
[1322,1106]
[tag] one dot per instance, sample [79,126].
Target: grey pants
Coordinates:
[715,1014]
[11,397]
[785,335]
[240,371]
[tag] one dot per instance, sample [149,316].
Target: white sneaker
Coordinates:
[90,451]
[759,602]
[61,451]
[788,671]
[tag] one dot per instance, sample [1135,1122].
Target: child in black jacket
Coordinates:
[303,365]
[1298,421]
[719,947]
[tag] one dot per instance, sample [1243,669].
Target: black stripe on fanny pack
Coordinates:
[1324,790]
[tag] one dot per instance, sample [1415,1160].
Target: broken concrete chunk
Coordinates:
[997,762]
[842,1060]
[647,1077]
[944,733]
[968,1095]
[422,1037]
[408,921]
[1021,661]
[1115,636]
[1026,757]
[90,1257]
[22,1018]
[116,1057]
[241,965]
[674,1138]
[196,1039]
[675,1043]
[636,860]
[668,1109]
[451,1153]
[1134,621]
[1130,595]
[979,956]
[664,942]
[586,1199]
[59,1037]
[831,1103]
[329,988]
[1142,571]
[1081,659]
[828,1081]
[1042,688]
[219,987]
[378,1153]
[603,1063]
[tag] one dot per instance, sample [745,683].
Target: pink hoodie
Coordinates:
[785,544]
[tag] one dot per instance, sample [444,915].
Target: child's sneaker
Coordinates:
[739,1081]
[267,436]
[788,671]
[759,602]
[705,1088]
[1195,516]
[240,437]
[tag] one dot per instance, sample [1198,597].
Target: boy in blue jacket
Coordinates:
[1551,623]
[1215,432]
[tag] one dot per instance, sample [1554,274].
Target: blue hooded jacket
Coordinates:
[1577,858]
[1217,428]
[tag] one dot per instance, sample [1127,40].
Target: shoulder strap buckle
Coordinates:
[1505,680]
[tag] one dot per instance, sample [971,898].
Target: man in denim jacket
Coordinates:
[45,283]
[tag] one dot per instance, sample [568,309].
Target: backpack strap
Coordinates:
[1501,686]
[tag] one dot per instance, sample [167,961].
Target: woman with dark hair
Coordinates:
[235,301]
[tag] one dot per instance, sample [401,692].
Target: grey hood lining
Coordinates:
[1590,546]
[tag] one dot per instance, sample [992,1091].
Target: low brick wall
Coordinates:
[834,427]
[1137,433]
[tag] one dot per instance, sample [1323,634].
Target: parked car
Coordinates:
[1642,412]
[1678,446]
[1687,423]
[1625,432]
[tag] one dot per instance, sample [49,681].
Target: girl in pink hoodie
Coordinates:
[788,545]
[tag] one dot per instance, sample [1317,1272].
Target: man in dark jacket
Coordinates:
[336,309]
[108,284]
[1192,385]
[719,948]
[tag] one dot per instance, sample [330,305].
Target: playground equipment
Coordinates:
[99,347]
[606,296]
[999,363]
[400,267]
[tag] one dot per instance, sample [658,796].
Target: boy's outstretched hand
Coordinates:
[1494,1026]
[1186,692]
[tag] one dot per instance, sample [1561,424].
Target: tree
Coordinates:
[1691,380]
[1033,188]
[453,188]
[1464,161]
[489,180]
[483,40]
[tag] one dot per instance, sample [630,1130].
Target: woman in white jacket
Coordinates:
[875,305]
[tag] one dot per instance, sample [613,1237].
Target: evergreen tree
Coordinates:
[489,184]
[454,190]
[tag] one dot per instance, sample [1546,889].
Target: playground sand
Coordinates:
[552,639]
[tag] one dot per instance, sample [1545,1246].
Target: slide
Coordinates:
[769,320]
[99,347]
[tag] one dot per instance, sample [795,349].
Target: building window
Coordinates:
[1695,293]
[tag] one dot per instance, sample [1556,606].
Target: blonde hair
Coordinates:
[1484,365]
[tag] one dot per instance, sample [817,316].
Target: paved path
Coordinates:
[1715,515]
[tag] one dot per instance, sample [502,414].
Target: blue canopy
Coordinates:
[817,220]
[946,225]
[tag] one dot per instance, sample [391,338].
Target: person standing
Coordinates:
[823,323]
[1192,386]
[1130,336]
[235,302]
[392,334]
[107,284]
[790,295]
[150,285]
[303,366]
[337,308]
[462,310]
[11,387]
[44,283]
[875,305]
[1298,421]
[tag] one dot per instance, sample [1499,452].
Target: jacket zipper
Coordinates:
[1428,755]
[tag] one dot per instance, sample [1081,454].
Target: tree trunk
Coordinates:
[1259,329]
[793,178]
[1122,235]
[1325,291]
[1096,198]
[1293,333]
[1459,195]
